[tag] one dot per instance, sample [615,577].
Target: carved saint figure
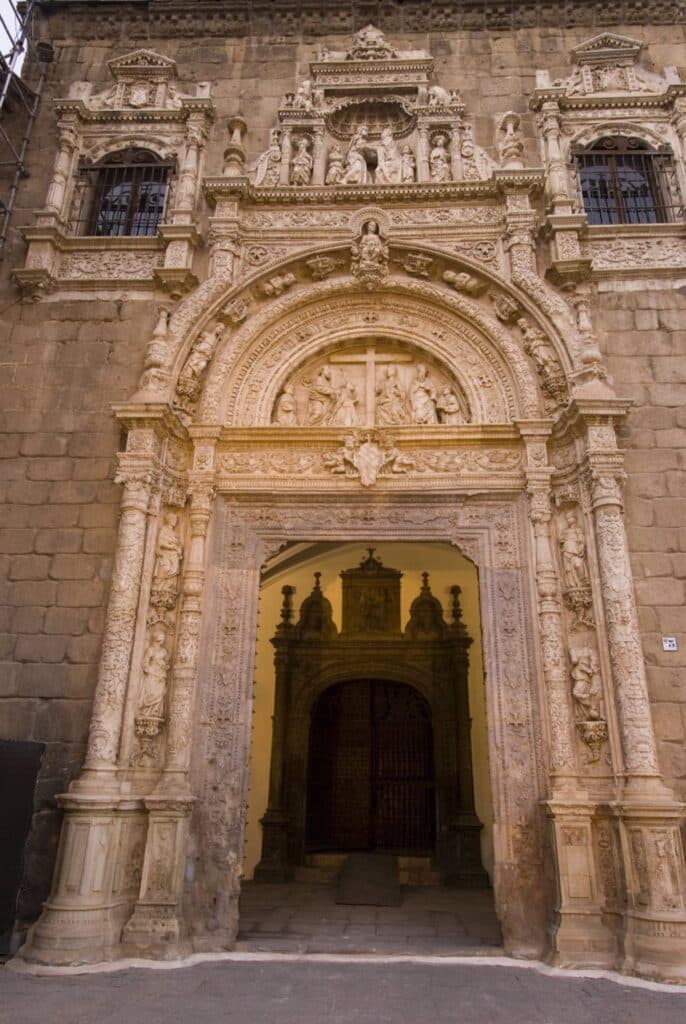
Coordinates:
[303,99]
[155,669]
[369,254]
[268,169]
[321,398]
[511,143]
[369,459]
[586,684]
[167,561]
[335,169]
[344,412]
[355,172]
[573,548]
[537,347]
[439,97]
[423,397]
[439,159]
[285,413]
[448,408]
[389,165]
[408,166]
[390,401]
[301,166]
[200,355]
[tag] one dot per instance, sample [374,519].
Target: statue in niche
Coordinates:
[301,166]
[155,670]
[268,168]
[389,163]
[391,407]
[165,575]
[573,548]
[344,412]
[511,143]
[285,414]
[335,170]
[321,399]
[423,397]
[448,408]
[536,346]
[408,166]
[439,159]
[440,97]
[586,685]
[476,166]
[355,171]
[199,356]
[370,255]
[304,99]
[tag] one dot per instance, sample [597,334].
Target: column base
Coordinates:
[581,940]
[655,948]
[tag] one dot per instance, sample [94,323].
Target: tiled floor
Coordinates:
[301,917]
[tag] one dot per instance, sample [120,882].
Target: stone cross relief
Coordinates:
[366,389]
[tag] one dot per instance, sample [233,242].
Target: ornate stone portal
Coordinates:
[374,354]
[311,656]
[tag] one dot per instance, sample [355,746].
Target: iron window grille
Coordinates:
[126,195]
[625,181]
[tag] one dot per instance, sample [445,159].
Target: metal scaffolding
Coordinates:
[18,102]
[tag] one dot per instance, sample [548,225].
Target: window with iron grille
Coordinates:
[123,195]
[625,181]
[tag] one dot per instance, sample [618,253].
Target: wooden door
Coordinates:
[370,772]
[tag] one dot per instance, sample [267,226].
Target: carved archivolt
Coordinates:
[483,361]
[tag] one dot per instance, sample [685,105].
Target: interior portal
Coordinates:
[370,777]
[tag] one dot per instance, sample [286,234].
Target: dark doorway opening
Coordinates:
[371,770]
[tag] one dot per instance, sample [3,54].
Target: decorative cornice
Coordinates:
[531,180]
[607,101]
[190,105]
[239,18]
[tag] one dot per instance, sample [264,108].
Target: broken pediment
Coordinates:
[608,65]
[142,64]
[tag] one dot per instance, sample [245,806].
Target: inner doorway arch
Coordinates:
[371,777]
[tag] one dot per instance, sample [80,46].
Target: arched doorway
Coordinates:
[370,779]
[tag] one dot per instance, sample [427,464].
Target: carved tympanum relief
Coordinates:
[374,386]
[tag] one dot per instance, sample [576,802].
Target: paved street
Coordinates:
[332,992]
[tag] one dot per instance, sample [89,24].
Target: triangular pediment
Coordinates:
[604,46]
[142,64]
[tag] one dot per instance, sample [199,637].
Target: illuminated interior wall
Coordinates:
[446,567]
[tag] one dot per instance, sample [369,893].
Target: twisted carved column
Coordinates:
[156,925]
[560,717]
[120,624]
[649,817]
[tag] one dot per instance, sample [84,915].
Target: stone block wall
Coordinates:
[63,362]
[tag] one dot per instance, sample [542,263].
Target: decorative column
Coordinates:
[156,927]
[318,156]
[456,152]
[580,937]
[68,142]
[649,816]
[566,227]
[286,149]
[423,172]
[188,176]
[82,918]
[120,624]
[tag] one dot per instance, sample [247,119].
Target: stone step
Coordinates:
[324,868]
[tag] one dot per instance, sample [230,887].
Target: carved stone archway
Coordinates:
[152,842]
